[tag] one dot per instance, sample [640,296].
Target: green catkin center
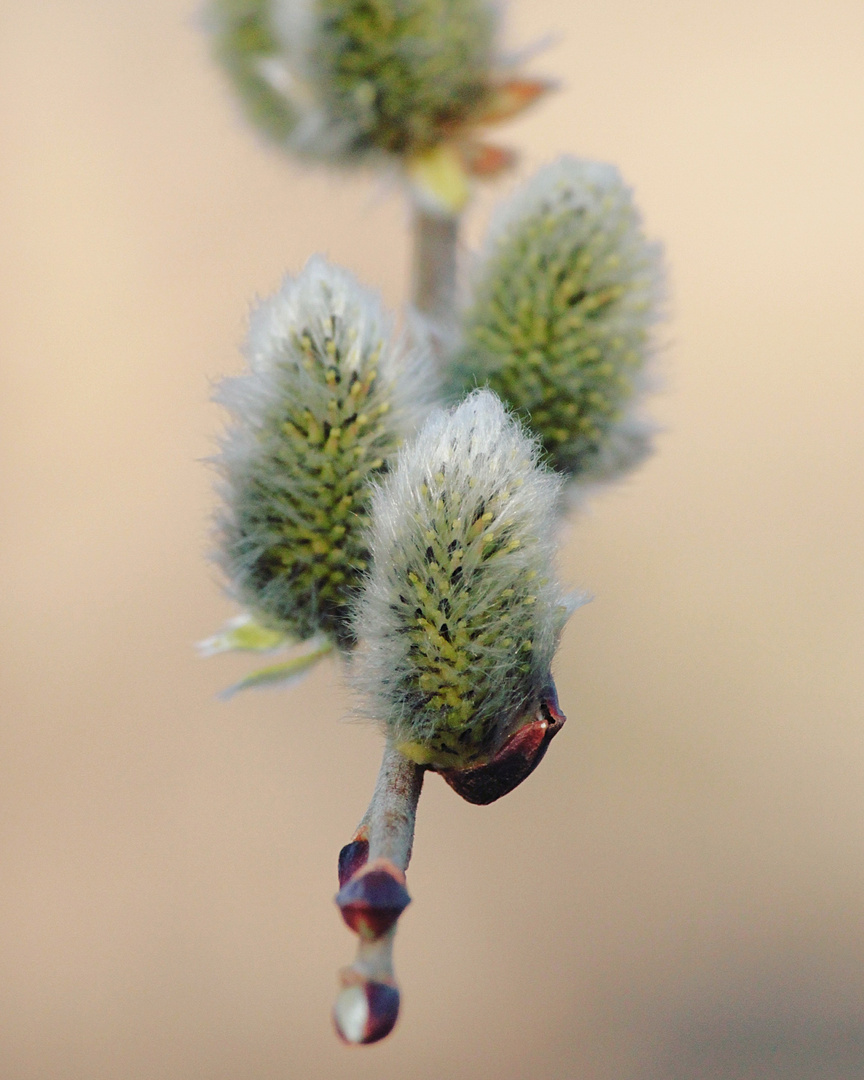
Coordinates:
[449,679]
[559,331]
[402,72]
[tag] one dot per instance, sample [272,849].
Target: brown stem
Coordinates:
[436,238]
[373,896]
[389,821]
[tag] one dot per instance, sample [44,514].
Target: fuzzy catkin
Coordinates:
[561,314]
[461,614]
[341,81]
[396,75]
[325,403]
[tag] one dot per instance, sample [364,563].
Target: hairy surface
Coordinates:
[325,403]
[565,298]
[396,75]
[461,615]
[343,80]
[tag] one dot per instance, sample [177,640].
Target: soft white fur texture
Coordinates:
[463,543]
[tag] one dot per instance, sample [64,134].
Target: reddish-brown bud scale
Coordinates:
[511,97]
[485,160]
[517,759]
[352,858]
[373,899]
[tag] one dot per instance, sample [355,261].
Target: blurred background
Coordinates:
[677,893]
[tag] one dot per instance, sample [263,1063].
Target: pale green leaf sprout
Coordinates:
[242,634]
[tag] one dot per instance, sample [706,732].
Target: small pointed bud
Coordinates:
[373,899]
[515,761]
[351,858]
[486,161]
[366,1009]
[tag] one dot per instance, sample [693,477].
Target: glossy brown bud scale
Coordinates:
[517,759]
[365,1010]
[373,899]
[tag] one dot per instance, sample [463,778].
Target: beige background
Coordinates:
[677,893]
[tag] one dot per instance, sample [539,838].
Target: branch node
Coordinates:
[373,899]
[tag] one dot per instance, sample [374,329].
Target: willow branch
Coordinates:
[435,243]
[371,898]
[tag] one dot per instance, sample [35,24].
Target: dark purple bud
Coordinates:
[373,899]
[365,1010]
[518,757]
[351,858]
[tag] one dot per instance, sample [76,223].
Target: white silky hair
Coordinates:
[577,183]
[598,190]
[484,452]
[308,303]
[594,197]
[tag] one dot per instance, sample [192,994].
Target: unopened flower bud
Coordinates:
[352,858]
[366,1009]
[559,324]
[326,401]
[461,615]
